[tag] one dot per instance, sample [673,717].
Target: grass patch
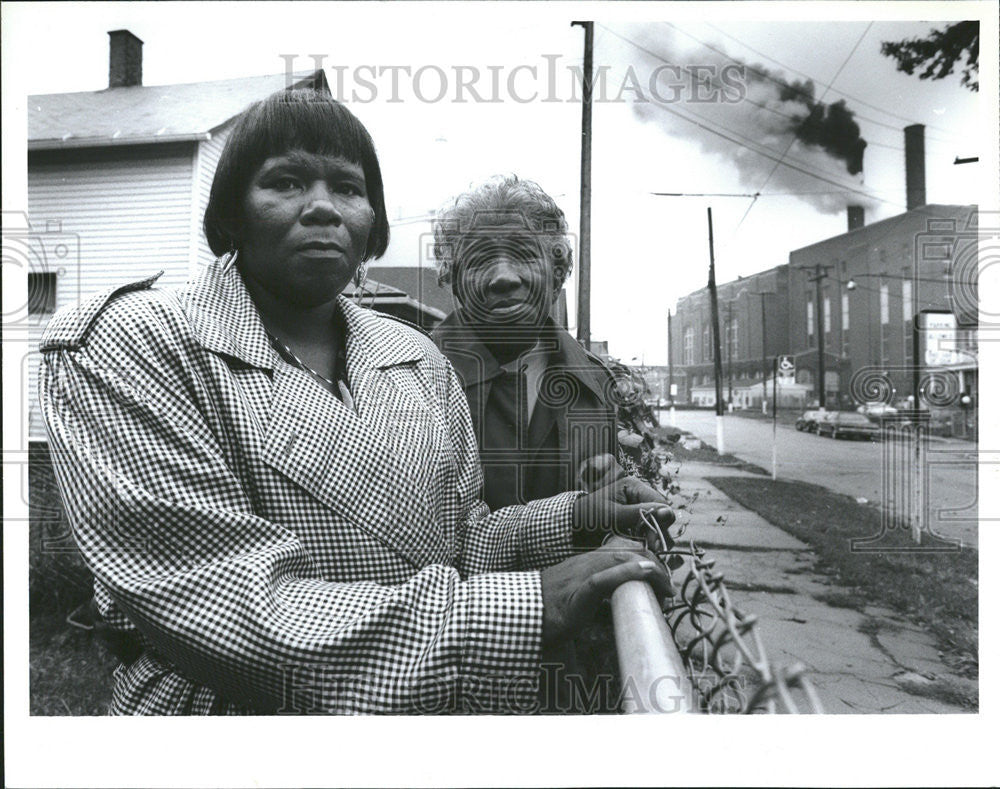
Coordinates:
[851,600]
[943,689]
[704,453]
[932,588]
[767,588]
[70,671]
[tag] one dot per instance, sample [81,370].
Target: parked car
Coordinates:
[807,421]
[875,411]
[847,424]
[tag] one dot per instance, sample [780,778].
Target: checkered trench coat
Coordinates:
[275,550]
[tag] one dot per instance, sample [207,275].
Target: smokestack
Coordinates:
[916,184]
[126,60]
[855,217]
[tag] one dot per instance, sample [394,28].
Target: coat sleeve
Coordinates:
[534,535]
[232,601]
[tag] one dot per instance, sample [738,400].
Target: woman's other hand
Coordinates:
[572,589]
[616,509]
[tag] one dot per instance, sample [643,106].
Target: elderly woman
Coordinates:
[278,492]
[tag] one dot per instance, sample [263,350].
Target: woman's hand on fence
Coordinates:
[572,589]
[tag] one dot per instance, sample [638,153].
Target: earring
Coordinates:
[230,260]
[360,274]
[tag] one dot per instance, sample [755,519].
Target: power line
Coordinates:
[760,194]
[773,169]
[654,55]
[778,82]
[412,220]
[819,82]
[766,152]
[703,194]
[803,93]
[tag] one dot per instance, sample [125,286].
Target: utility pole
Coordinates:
[583,264]
[763,346]
[819,274]
[670,363]
[916,524]
[729,349]
[763,338]
[714,299]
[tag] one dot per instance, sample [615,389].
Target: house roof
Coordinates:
[393,301]
[416,281]
[148,114]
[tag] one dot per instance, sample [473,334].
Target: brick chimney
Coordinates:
[855,217]
[125,70]
[916,182]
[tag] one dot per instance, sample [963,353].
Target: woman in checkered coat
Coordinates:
[278,492]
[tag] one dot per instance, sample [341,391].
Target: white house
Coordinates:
[118,182]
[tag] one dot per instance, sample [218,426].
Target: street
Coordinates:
[852,467]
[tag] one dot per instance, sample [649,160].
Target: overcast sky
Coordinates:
[465,111]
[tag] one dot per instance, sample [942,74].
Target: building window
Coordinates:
[810,321]
[907,321]
[845,324]
[706,344]
[41,293]
[689,345]
[826,314]
[732,339]
[883,328]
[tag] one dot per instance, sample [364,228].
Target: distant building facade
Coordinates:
[873,282]
[864,289]
[753,328]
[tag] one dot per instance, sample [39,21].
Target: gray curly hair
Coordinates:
[498,201]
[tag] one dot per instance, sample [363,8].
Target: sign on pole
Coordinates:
[939,330]
[786,370]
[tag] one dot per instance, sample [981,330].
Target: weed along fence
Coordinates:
[701,655]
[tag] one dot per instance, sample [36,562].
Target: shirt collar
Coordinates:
[475,364]
[225,320]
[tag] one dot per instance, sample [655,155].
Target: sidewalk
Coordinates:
[859,661]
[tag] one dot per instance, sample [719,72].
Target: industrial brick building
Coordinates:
[854,299]
[753,325]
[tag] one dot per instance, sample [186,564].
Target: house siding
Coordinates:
[102,218]
[206,161]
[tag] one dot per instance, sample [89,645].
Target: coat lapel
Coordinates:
[375,467]
[371,466]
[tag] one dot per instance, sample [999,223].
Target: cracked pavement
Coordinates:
[860,661]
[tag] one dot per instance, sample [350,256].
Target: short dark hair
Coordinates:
[289,120]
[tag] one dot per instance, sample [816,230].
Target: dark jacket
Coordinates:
[573,419]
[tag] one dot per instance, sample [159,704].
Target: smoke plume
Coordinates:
[769,118]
